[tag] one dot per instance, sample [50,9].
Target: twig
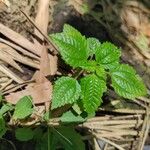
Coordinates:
[6,84]
[145,129]
[96,145]
[125,111]
[18,48]
[144,99]
[10,74]
[110,142]
[47,39]
[17,86]
[106,146]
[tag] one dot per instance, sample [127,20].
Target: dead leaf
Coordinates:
[40,93]
[53,64]
[45,62]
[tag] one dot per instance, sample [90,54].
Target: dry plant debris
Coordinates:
[15,50]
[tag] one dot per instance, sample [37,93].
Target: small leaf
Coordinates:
[66,91]
[77,109]
[23,108]
[72,46]
[24,134]
[93,45]
[92,89]
[108,55]
[5,108]
[89,66]
[101,73]
[127,83]
[3,128]
[68,117]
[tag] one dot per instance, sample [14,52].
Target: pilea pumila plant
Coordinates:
[98,62]
[79,95]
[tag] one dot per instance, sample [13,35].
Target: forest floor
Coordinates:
[125,23]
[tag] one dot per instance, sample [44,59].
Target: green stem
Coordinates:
[49,138]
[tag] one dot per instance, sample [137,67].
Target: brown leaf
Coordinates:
[53,64]
[40,92]
[45,62]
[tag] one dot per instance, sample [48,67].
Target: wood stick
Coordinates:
[47,39]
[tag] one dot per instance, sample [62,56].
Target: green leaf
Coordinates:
[92,89]
[47,116]
[23,108]
[77,108]
[24,134]
[3,128]
[69,117]
[66,91]
[93,45]
[69,138]
[5,108]
[42,144]
[101,73]
[37,134]
[108,55]
[127,83]
[72,46]
[89,66]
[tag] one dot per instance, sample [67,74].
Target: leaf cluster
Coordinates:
[99,62]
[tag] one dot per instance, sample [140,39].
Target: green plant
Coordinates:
[98,62]
[97,65]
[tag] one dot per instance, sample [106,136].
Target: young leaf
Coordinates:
[69,138]
[66,91]
[5,108]
[101,73]
[90,66]
[23,108]
[77,108]
[69,117]
[3,128]
[69,30]
[92,89]
[127,83]
[24,134]
[72,46]
[108,55]
[93,45]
